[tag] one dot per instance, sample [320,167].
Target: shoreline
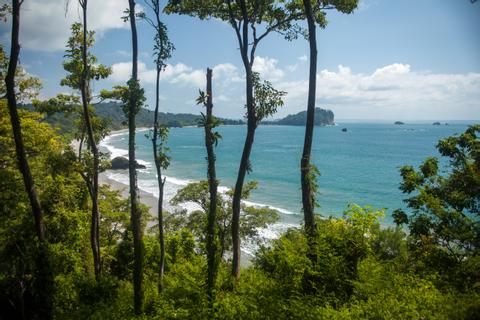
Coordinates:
[151,201]
[146,198]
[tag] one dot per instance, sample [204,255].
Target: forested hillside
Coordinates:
[115,117]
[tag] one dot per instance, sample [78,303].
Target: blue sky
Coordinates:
[407,60]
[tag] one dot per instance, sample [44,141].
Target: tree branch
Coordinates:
[278,24]
[234,24]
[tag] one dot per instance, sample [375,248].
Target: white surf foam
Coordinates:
[119,152]
[262,205]
[173,185]
[114,152]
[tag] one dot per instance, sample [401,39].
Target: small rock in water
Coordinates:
[344,130]
[121,163]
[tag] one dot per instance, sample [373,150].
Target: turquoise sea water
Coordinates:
[358,166]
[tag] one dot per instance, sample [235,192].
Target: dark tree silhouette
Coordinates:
[135,100]
[162,51]
[43,284]
[92,144]
[314,14]
[211,140]
[308,187]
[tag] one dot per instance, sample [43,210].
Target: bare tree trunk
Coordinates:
[237,197]
[161,185]
[212,187]
[85,92]
[43,280]
[308,196]
[247,148]
[135,214]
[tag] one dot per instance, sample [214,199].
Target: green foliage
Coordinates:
[266,98]
[265,15]
[27,87]
[211,123]
[202,97]
[312,177]
[444,224]
[114,220]
[330,266]
[361,270]
[74,63]
[5,11]
[163,47]
[132,92]
[122,259]
[251,220]
[62,195]
[134,95]
[161,158]
[63,103]
[389,244]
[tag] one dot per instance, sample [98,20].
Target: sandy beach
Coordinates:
[146,198]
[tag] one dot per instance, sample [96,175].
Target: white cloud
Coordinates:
[227,73]
[267,67]
[195,78]
[178,73]
[173,70]
[46,23]
[301,60]
[124,53]
[222,98]
[393,69]
[122,71]
[391,90]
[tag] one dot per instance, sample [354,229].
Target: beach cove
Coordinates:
[368,156]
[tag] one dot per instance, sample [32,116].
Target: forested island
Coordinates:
[74,247]
[322,118]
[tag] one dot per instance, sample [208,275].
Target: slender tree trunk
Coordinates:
[43,280]
[135,214]
[212,187]
[158,163]
[161,184]
[237,197]
[85,92]
[247,148]
[16,127]
[308,196]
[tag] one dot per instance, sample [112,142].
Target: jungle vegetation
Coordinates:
[71,248]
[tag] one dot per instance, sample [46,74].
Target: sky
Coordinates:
[389,60]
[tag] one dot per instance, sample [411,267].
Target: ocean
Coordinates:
[358,166]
